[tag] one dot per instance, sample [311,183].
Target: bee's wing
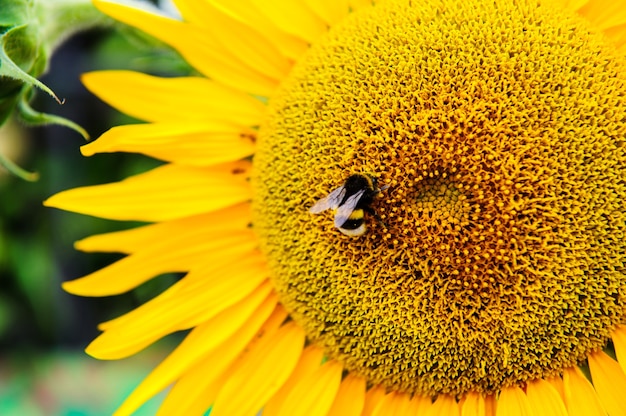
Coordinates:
[345,209]
[330,201]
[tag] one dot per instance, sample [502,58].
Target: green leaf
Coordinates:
[9,69]
[36,118]
[18,171]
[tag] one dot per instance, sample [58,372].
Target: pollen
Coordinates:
[498,255]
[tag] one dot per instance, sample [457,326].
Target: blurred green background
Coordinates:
[43,330]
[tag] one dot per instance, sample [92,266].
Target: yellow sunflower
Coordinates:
[490,279]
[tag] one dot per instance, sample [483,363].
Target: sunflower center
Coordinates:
[499,253]
[439,202]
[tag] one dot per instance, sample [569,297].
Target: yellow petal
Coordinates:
[394,403]
[310,360]
[176,254]
[242,40]
[513,402]
[197,47]
[246,12]
[196,390]
[165,193]
[619,343]
[490,405]
[330,11]
[617,35]
[197,144]
[373,398]
[350,398]
[580,397]
[604,13]
[386,405]
[421,404]
[544,399]
[220,223]
[293,16]
[314,393]
[206,280]
[445,405]
[473,405]
[359,4]
[575,4]
[557,383]
[261,373]
[128,336]
[225,336]
[199,405]
[571,5]
[411,406]
[609,382]
[169,100]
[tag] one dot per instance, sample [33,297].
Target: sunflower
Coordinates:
[490,279]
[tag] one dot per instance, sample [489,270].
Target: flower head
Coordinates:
[492,270]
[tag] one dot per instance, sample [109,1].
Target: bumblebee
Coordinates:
[350,202]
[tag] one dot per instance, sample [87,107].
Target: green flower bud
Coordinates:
[30,30]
